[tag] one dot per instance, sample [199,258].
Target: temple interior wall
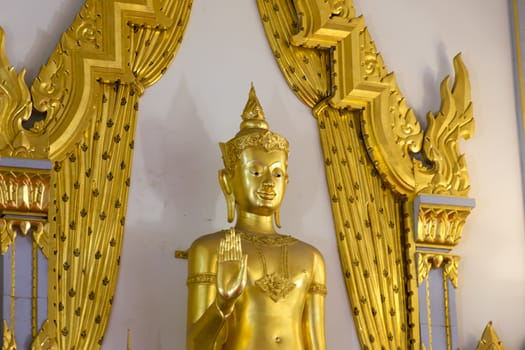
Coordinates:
[175,196]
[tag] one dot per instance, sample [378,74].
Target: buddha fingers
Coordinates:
[230,248]
[220,254]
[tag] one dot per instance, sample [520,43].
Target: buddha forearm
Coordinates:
[205,333]
[313,322]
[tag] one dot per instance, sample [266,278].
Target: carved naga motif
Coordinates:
[448,169]
[15,108]
[391,131]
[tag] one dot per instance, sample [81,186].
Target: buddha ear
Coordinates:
[224,182]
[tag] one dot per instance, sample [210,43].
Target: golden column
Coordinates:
[438,222]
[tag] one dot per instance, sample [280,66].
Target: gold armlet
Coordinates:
[318,288]
[201,278]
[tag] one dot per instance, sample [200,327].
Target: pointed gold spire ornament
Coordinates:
[8,341]
[254,132]
[253,114]
[489,340]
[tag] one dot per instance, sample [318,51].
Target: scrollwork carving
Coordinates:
[15,108]
[391,130]
[342,8]
[450,269]
[449,264]
[10,227]
[49,88]
[25,190]
[454,120]
[41,237]
[441,226]
[7,235]
[372,66]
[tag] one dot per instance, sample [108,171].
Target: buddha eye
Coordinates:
[255,172]
[277,174]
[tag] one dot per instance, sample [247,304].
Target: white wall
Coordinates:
[174,194]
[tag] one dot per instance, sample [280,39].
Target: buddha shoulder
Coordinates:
[310,250]
[293,241]
[205,246]
[312,259]
[208,244]
[211,239]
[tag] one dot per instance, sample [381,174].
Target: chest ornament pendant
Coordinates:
[276,285]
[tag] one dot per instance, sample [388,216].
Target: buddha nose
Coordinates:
[268,179]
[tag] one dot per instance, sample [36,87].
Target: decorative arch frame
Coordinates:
[395,188]
[89,92]
[398,192]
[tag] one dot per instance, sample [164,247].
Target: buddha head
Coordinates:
[255,175]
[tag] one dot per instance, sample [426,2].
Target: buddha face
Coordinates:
[259,181]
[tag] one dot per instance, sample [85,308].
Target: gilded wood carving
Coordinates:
[489,339]
[377,156]
[89,92]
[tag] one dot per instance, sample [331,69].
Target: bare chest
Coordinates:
[277,272]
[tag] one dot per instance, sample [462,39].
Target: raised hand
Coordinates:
[231,272]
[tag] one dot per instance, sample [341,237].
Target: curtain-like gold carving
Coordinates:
[366,212]
[91,191]
[307,71]
[369,137]
[368,223]
[89,90]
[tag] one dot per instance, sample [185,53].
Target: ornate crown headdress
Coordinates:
[254,132]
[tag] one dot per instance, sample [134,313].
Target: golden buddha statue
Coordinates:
[249,287]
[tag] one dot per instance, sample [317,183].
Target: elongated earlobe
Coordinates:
[277,218]
[228,195]
[230,207]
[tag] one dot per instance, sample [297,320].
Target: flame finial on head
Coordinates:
[253,114]
[254,132]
